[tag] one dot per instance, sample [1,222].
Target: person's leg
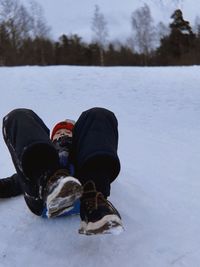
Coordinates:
[32,152]
[94,152]
[95,142]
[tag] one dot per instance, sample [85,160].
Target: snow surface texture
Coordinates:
[158,189]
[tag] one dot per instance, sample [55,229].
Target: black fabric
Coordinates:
[93,152]
[10,187]
[32,152]
[95,143]
[100,170]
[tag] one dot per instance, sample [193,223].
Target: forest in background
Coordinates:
[25,40]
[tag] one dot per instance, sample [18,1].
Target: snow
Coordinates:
[158,190]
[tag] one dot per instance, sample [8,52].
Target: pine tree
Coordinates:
[181,35]
[179,25]
[177,47]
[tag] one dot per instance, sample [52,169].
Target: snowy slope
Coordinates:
[158,189]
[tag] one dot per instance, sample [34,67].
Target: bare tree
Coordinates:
[20,25]
[24,22]
[143,29]
[197,26]
[21,22]
[16,20]
[100,31]
[39,25]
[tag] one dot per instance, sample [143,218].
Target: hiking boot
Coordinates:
[98,215]
[61,193]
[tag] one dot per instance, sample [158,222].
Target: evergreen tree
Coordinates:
[177,47]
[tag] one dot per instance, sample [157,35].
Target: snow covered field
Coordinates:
[158,189]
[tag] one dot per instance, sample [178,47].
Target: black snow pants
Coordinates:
[93,152]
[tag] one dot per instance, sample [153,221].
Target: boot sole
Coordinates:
[63,196]
[109,224]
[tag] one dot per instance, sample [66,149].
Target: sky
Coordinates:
[75,16]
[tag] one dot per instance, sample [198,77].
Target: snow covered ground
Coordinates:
[158,189]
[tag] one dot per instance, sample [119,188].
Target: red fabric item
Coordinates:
[62,125]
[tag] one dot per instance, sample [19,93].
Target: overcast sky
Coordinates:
[75,16]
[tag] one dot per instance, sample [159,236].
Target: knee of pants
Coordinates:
[17,112]
[98,112]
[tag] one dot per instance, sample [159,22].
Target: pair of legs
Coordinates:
[93,152]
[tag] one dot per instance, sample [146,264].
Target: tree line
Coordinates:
[25,40]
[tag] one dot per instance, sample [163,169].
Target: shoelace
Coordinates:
[92,203]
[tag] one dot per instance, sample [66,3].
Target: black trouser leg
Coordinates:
[95,142]
[32,152]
